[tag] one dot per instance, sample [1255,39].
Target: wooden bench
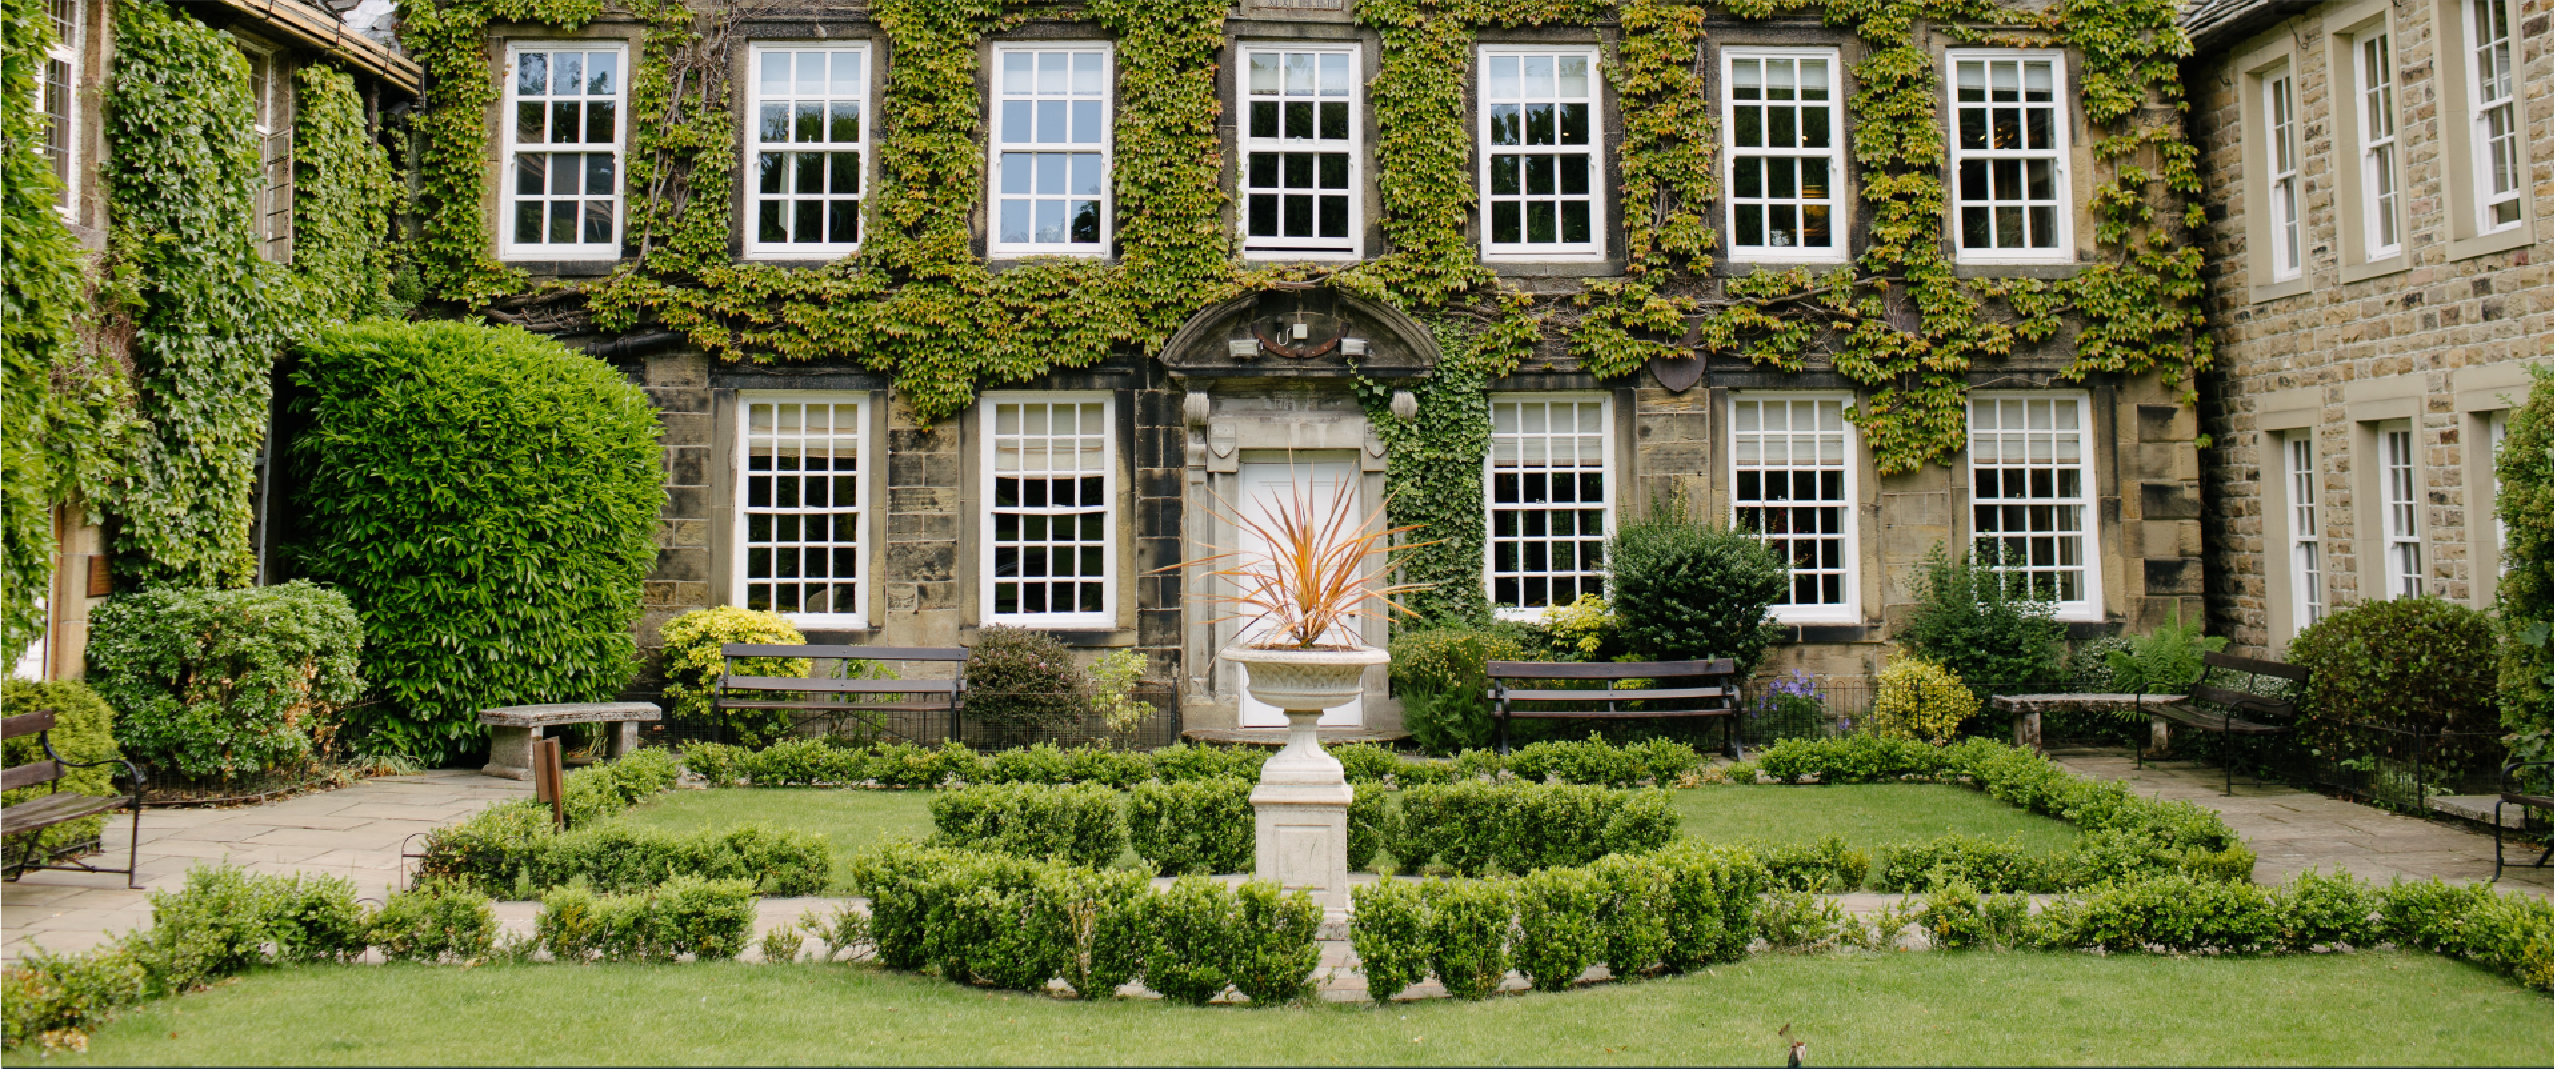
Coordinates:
[2240,714]
[1715,694]
[57,807]
[836,697]
[514,728]
[2511,795]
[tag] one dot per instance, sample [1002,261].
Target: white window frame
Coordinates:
[1839,206]
[2305,529]
[1848,610]
[1600,188]
[2380,152]
[507,247]
[2399,508]
[271,100]
[868,465]
[65,50]
[2061,150]
[1112,491]
[2491,82]
[2496,433]
[1245,128]
[2089,607]
[1490,504]
[995,145]
[2279,126]
[865,117]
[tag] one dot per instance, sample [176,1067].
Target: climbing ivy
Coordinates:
[37,343]
[343,197]
[917,302]
[206,314]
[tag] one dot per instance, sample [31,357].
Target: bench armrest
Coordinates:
[132,771]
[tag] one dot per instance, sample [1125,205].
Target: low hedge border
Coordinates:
[830,763]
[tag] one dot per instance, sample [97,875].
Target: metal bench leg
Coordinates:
[133,849]
[2496,840]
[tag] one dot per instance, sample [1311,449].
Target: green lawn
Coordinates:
[1868,816]
[1919,1009]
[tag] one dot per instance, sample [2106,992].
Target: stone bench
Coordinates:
[515,726]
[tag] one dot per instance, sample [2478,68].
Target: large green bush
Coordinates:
[224,683]
[83,731]
[1437,673]
[2382,670]
[1986,630]
[1688,590]
[1019,678]
[2525,473]
[489,500]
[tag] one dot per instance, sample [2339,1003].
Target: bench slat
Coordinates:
[2539,801]
[2244,700]
[2231,725]
[847,653]
[26,724]
[2254,665]
[1613,695]
[881,707]
[841,686]
[30,775]
[1612,670]
[54,809]
[1620,714]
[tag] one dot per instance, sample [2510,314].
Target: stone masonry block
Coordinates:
[2168,501]
[2178,576]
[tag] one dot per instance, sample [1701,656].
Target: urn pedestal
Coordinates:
[1301,803]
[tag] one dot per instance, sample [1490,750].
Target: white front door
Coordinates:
[1266,487]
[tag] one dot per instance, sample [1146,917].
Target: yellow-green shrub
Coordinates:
[693,665]
[1919,699]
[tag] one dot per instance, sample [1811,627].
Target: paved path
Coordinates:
[354,832]
[2294,830]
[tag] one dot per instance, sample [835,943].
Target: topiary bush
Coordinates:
[217,684]
[489,500]
[435,923]
[1687,590]
[2382,670]
[1918,699]
[1276,943]
[1019,678]
[83,731]
[1979,626]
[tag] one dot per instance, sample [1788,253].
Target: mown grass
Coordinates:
[1869,817]
[1913,1009]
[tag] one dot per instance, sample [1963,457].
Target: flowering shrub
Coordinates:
[1791,706]
[1920,699]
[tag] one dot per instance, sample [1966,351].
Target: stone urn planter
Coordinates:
[1302,798]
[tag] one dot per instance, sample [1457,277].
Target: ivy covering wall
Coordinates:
[344,194]
[917,303]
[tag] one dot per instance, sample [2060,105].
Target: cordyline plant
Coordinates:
[1314,576]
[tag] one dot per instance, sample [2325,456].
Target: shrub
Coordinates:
[1797,922]
[1046,762]
[1858,758]
[1468,935]
[1276,943]
[693,666]
[2409,664]
[1631,917]
[2176,912]
[1373,821]
[1102,917]
[1711,910]
[2525,592]
[1789,706]
[1365,762]
[600,790]
[2431,914]
[1983,864]
[1981,627]
[513,845]
[83,731]
[784,943]
[1082,825]
[1957,917]
[1917,699]
[1193,827]
[1003,920]
[895,878]
[1190,940]
[47,998]
[435,922]
[1113,680]
[314,917]
[224,683]
[2319,910]
[1471,826]
[1438,674]
[1180,762]
[2514,934]
[2163,661]
[1826,867]
[215,925]
[1685,590]
[1557,934]
[477,492]
[1390,935]
[571,924]
[1016,677]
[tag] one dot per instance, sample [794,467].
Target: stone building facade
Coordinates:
[1256,395]
[2381,279]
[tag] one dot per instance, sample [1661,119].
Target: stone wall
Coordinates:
[2434,338]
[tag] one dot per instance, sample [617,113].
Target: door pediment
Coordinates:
[1301,331]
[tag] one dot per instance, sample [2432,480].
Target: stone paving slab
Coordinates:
[2294,830]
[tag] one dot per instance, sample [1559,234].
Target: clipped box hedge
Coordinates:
[1083,825]
[1474,826]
